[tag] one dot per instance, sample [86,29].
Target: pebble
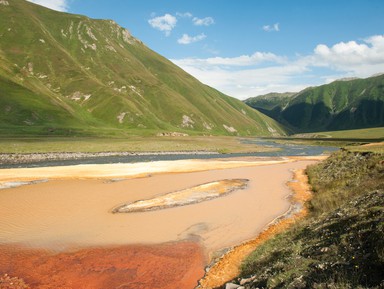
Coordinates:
[233,286]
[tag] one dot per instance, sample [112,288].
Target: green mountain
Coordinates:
[69,74]
[272,104]
[340,105]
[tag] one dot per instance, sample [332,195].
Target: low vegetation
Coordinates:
[373,147]
[221,144]
[342,177]
[341,244]
[365,133]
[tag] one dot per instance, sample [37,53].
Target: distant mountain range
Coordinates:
[64,74]
[341,105]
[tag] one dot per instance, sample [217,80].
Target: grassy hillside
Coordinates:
[272,103]
[341,244]
[65,74]
[340,105]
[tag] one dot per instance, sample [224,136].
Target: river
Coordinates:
[282,149]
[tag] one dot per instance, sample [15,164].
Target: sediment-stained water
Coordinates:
[73,212]
[57,228]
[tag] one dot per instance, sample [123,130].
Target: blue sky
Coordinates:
[246,48]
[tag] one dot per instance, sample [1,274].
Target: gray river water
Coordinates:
[283,149]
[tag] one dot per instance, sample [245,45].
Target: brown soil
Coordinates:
[173,265]
[227,268]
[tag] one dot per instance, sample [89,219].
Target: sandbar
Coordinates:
[189,196]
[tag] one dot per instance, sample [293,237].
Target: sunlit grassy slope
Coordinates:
[65,74]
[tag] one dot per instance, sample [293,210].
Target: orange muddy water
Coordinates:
[71,217]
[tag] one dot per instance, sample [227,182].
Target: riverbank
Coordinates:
[135,144]
[69,151]
[25,158]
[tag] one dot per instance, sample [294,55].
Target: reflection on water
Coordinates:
[282,149]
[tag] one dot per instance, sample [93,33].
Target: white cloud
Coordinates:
[58,5]
[270,28]
[203,21]
[186,39]
[262,72]
[184,15]
[246,81]
[164,23]
[167,23]
[352,56]
[243,60]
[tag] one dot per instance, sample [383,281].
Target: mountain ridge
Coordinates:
[340,105]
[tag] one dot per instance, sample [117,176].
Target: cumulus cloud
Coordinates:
[262,72]
[58,5]
[164,23]
[352,56]
[167,23]
[203,21]
[186,39]
[270,28]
